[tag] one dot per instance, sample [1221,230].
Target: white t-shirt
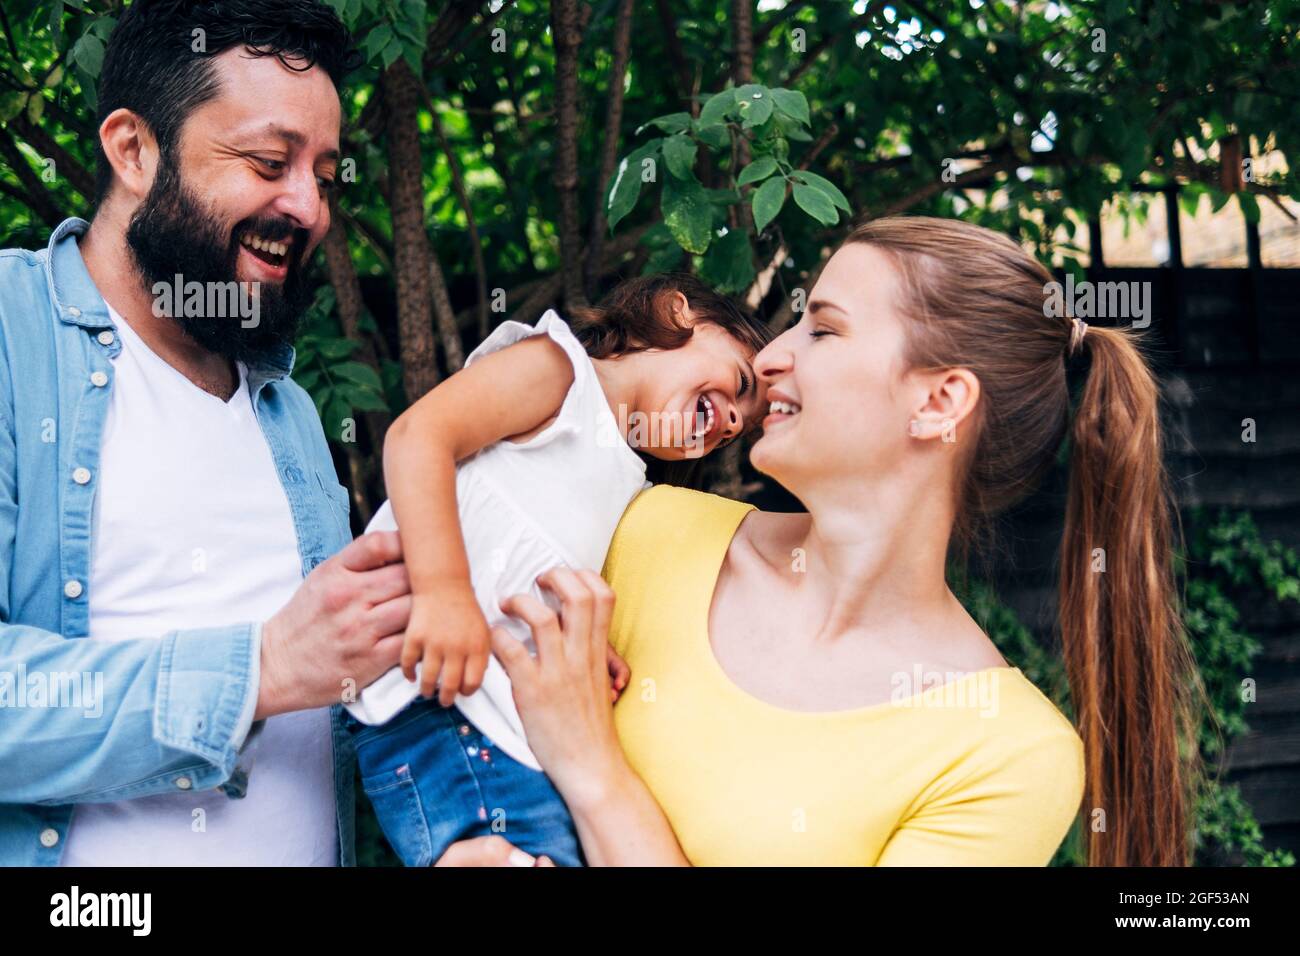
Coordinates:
[192,528]
[525,508]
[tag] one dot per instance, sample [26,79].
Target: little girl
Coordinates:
[522,461]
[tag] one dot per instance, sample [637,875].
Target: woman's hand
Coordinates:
[563,695]
[489,851]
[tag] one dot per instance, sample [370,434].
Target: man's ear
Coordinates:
[132,151]
[948,398]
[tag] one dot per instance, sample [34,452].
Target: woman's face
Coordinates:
[841,368]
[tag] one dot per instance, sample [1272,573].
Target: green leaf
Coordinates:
[679,155]
[816,204]
[376,40]
[687,213]
[729,265]
[35,108]
[626,187]
[358,372]
[792,103]
[337,348]
[55,77]
[363,398]
[102,27]
[392,52]
[715,136]
[759,169]
[672,123]
[825,186]
[336,409]
[715,108]
[667,259]
[11,104]
[308,380]
[767,202]
[88,53]
[755,105]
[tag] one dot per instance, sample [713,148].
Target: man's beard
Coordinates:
[172,233]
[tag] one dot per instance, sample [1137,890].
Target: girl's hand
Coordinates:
[563,695]
[448,636]
[489,851]
[619,672]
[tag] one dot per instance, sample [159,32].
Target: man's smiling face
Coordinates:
[244,195]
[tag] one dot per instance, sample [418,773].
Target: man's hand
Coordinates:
[341,629]
[448,637]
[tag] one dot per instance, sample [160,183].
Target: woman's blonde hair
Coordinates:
[975,300]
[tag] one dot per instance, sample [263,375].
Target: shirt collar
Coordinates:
[77,301]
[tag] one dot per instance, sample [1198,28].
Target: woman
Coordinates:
[805,687]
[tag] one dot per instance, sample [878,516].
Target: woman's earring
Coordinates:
[914,428]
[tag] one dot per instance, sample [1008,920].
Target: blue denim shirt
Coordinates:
[175,712]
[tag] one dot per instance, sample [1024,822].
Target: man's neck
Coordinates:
[112,269]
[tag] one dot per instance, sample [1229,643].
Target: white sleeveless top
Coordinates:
[554,499]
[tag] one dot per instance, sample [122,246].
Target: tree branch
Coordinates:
[37,197]
[782,15]
[821,46]
[78,177]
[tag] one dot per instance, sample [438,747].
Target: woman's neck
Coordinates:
[868,556]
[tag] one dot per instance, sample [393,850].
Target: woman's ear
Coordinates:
[131,151]
[948,398]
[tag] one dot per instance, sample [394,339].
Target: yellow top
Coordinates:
[980,770]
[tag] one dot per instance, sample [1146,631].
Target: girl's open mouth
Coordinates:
[705,418]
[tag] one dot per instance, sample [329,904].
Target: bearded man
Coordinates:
[181,601]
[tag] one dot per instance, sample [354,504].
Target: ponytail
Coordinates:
[1132,677]
[975,299]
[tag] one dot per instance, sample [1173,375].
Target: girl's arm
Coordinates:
[502,394]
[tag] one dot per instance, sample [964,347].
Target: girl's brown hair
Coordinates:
[976,300]
[637,315]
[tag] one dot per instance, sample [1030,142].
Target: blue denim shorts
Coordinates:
[433,779]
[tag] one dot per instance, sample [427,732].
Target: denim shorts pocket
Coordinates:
[396,800]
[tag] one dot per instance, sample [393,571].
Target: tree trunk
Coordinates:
[566,34]
[411,253]
[347,296]
[609,153]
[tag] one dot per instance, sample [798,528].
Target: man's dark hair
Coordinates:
[152,68]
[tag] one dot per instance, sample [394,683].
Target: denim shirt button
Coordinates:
[72,589]
[74,311]
[184,783]
[98,379]
[49,836]
[105,337]
[81,475]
